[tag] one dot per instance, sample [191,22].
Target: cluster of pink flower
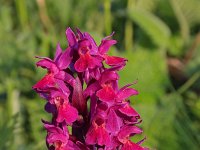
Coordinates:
[82,93]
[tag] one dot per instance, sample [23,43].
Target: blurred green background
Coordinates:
[160,38]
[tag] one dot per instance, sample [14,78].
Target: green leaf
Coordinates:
[7,128]
[149,68]
[190,10]
[152,25]
[148,5]
[175,47]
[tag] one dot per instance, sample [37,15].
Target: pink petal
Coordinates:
[115,61]
[81,64]
[91,136]
[106,44]
[65,59]
[94,62]
[109,76]
[95,73]
[106,94]
[94,48]
[47,64]
[129,111]
[54,137]
[46,81]
[62,75]
[67,113]
[91,61]
[127,131]
[52,128]
[132,146]
[103,138]
[58,52]
[84,44]
[55,133]
[71,38]
[54,93]
[113,122]
[80,34]
[65,90]
[126,93]
[91,89]
[97,133]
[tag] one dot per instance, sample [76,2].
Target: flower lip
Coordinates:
[46,82]
[106,94]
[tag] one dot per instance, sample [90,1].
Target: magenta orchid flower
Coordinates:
[55,68]
[97,133]
[83,94]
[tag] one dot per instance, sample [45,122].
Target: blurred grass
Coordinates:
[159,38]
